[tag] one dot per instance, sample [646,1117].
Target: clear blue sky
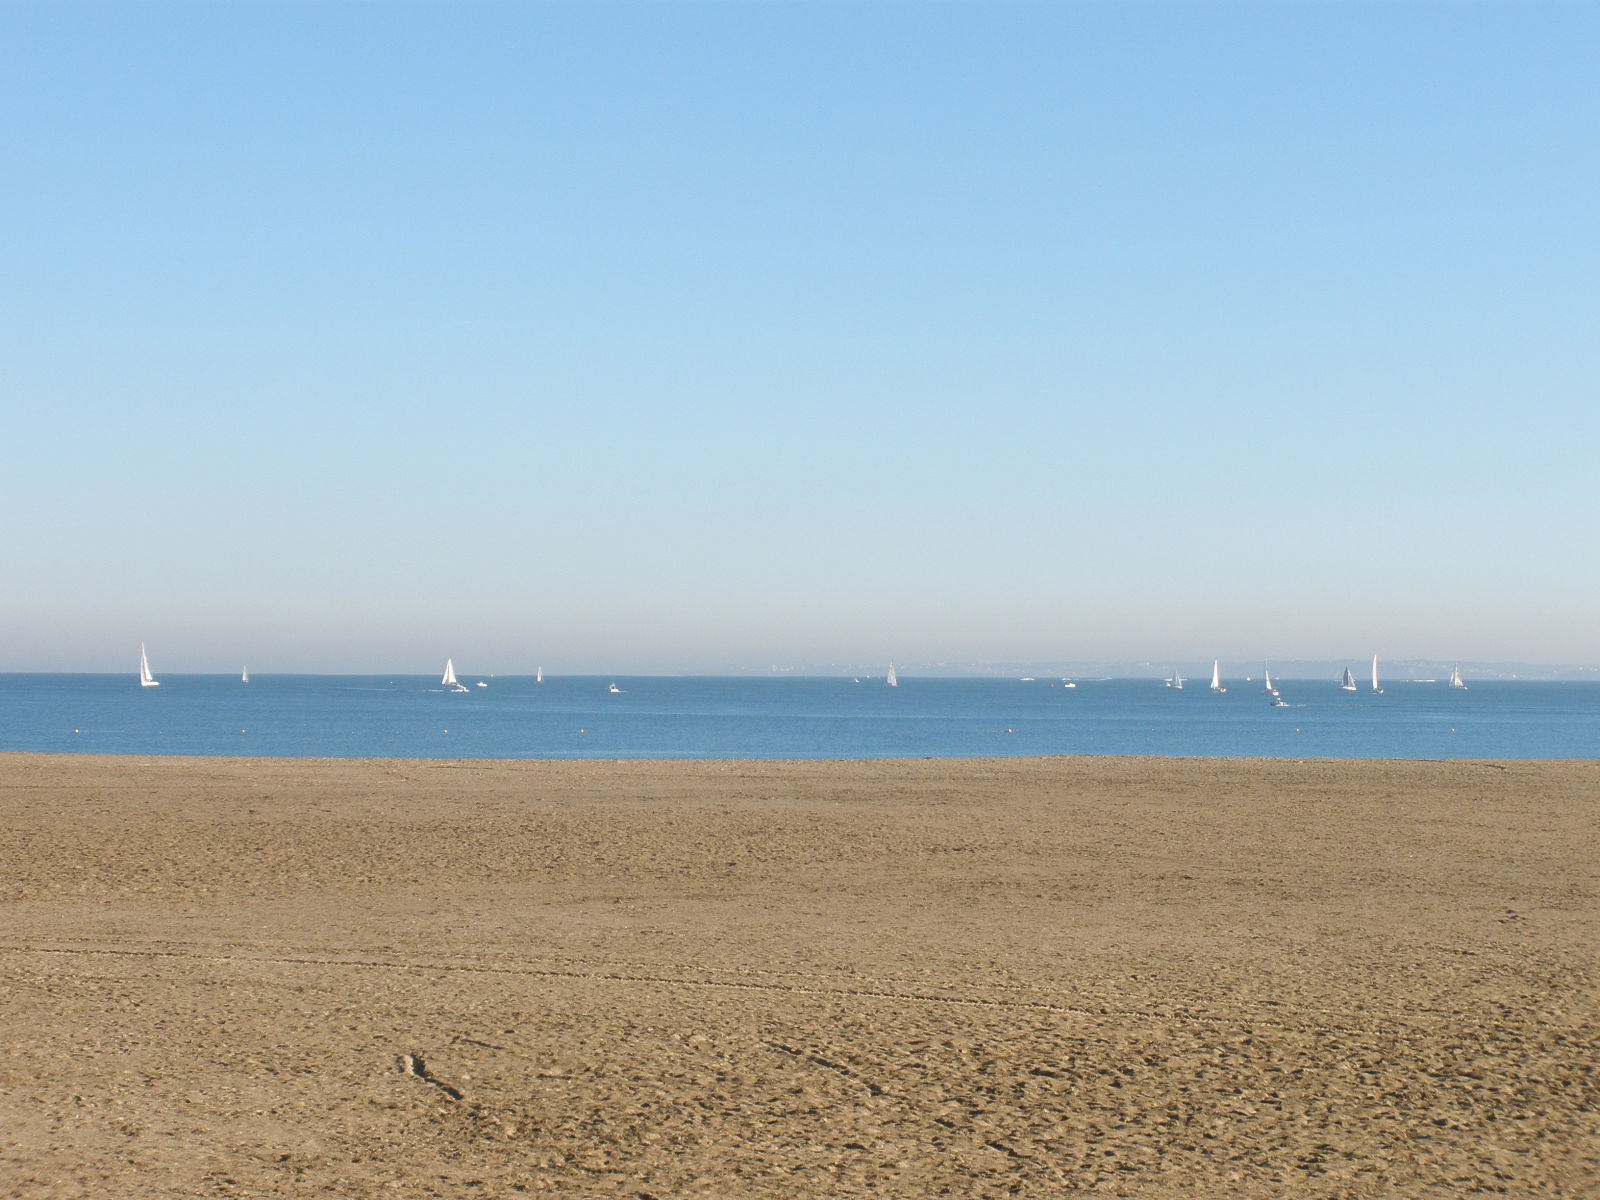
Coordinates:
[686,336]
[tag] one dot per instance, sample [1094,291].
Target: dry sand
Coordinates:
[1042,977]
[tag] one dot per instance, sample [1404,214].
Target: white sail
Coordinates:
[1267,675]
[891,681]
[1455,678]
[1216,676]
[538,676]
[1348,682]
[450,681]
[244,675]
[145,678]
[1376,690]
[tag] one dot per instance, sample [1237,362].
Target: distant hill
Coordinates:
[1390,669]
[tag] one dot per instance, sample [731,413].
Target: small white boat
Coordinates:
[1216,677]
[1455,678]
[1066,683]
[1266,674]
[450,683]
[1278,701]
[481,683]
[892,680]
[1376,690]
[1176,681]
[538,676]
[1348,682]
[145,678]
[244,675]
[614,690]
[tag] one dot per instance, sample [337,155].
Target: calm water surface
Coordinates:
[702,717]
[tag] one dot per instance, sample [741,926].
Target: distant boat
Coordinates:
[1376,690]
[614,690]
[1267,675]
[1348,682]
[244,675]
[145,678]
[891,680]
[450,683]
[1455,679]
[1066,683]
[1176,681]
[1216,677]
[481,683]
[538,676]
[1278,701]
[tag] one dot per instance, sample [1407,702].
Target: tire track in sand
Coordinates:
[885,992]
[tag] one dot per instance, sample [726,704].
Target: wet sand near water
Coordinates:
[1021,977]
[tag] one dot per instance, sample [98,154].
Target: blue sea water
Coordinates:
[786,718]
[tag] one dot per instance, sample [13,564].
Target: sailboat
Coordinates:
[538,676]
[1176,681]
[1267,675]
[1376,690]
[450,683]
[1216,677]
[614,690]
[1348,682]
[145,678]
[244,675]
[1455,679]
[891,680]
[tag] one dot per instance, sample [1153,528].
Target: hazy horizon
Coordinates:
[694,337]
[1396,668]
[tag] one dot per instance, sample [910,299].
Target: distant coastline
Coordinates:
[1296,670]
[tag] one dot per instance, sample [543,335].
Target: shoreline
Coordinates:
[1308,760]
[1073,975]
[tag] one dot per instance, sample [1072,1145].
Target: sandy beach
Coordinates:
[1020,977]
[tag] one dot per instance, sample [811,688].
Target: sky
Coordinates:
[623,336]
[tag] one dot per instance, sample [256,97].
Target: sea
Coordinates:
[690,717]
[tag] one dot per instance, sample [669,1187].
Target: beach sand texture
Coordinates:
[1020,977]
